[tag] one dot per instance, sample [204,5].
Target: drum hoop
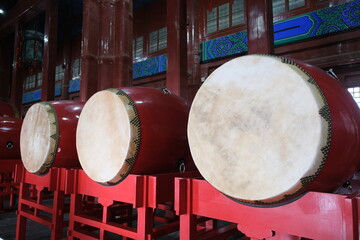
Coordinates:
[135,135]
[54,138]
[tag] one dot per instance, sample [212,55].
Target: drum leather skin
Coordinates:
[264,130]
[48,136]
[133,130]
[10,138]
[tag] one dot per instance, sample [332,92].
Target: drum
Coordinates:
[10,138]
[48,136]
[8,110]
[263,130]
[132,130]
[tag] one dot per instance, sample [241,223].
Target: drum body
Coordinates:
[132,130]
[8,110]
[48,136]
[264,130]
[10,138]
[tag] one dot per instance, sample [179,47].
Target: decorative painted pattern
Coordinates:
[74,85]
[150,66]
[314,24]
[34,96]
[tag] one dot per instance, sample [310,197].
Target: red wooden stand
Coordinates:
[37,207]
[144,193]
[8,188]
[315,215]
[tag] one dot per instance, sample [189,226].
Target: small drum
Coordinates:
[132,130]
[8,110]
[10,138]
[264,130]
[48,136]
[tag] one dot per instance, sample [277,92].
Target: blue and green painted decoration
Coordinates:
[309,25]
[150,66]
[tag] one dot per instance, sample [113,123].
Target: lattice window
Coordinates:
[355,92]
[59,73]
[39,79]
[76,67]
[225,16]
[30,82]
[138,47]
[281,6]
[158,40]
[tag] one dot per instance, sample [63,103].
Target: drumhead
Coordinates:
[255,129]
[107,136]
[39,138]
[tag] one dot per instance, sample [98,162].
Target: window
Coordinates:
[39,79]
[355,92]
[76,67]
[158,40]
[225,16]
[30,82]
[281,6]
[138,48]
[59,73]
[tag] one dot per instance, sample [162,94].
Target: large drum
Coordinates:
[48,136]
[10,138]
[8,110]
[132,130]
[264,130]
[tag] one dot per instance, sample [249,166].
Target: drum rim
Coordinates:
[53,138]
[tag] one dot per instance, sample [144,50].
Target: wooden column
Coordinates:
[106,45]
[176,75]
[49,55]
[17,71]
[260,26]
[123,44]
[67,55]
[193,47]
[6,53]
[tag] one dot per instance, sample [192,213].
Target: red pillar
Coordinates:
[6,53]
[176,74]
[193,47]
[106,46]
[260,26]
[123,44]
[17,71]
[49,55]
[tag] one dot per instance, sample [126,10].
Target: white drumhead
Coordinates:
[38,138]
[106,137]
[255,130]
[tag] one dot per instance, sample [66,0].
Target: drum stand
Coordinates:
[8,188]
[40,206]
[128,209]
[315,215]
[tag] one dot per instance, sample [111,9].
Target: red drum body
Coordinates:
[8,110]
[10,138]
[132,130]
[48,136]
[264,130]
